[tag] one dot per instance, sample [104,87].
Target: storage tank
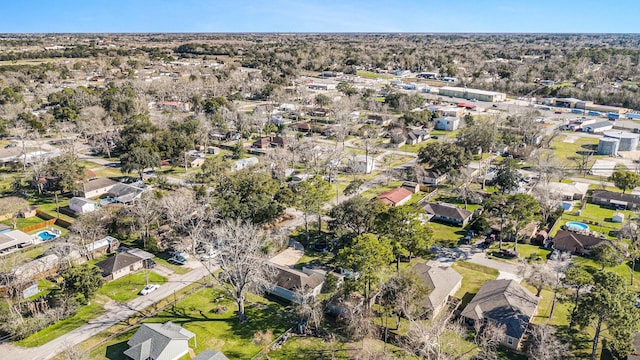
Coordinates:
[608,146]
[627,141]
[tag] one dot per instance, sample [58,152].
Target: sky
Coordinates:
[423,16]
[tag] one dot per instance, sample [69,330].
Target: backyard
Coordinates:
[598,218]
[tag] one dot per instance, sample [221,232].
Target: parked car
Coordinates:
[212,254]
[508,253]
[149,289]
[177,260]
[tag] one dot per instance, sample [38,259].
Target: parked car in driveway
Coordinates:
[508,253]
[149,289]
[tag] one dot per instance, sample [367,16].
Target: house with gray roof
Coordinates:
[97,187]
[119,265]
[443,282]
[166,341]
[125,193]
[211,355]
[504,303]
[288,281]
[447,213]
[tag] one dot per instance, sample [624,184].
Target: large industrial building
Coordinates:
[573,103]
[464,93]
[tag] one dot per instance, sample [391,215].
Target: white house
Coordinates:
[447,123]
[82,205]
[245,163]
[97,187]
[362,164]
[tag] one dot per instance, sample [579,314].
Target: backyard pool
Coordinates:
[47,235]
[577,226]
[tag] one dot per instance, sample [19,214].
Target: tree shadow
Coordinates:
[116,351]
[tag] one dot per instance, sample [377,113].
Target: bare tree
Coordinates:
[13,206]
[426,339]
[543,344]
[243,263]
[146,212]
[488,337]
[89,228]
[308,308]
[537,275]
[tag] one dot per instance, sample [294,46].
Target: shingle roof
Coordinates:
[441,281]
[100,183]
[291,279]
[447,210]
[610,195]
[117,262]
[394,196]
[211,355]
[567,240]
[506,302]
[152,339]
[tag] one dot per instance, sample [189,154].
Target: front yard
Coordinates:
[473,276]
[214,323]
[128,287]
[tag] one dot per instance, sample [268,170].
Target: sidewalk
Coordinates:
[116,313]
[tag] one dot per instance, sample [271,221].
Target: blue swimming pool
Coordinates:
[577,226]
[46,235]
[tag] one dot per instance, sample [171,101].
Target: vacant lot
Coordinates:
[128,287]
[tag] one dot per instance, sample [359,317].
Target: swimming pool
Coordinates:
[46,235]
[577,226]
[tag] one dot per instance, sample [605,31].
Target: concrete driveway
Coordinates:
[288,257]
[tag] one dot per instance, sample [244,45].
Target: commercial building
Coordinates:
[464,93]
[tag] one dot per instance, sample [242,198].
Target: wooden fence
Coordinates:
[45,224]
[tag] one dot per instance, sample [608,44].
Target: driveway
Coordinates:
[115,314]
[288,257]
[475,255]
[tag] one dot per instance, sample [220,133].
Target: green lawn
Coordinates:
[372,75]
[565,152]
[22,222]
[526,252]
[110,172]
[445,234]
[214,329]
[83,315]
[623,270]
[128,287]
[473,276]
[560,313]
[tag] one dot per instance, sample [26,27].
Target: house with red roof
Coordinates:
[395,197]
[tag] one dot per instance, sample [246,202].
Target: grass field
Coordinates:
[128,287]
[215,327]
[473,276]
[372,75]
[446,235]
[567,151]
[560,313]
[83,315]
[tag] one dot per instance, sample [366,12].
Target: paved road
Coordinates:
[115,313]
[473,254]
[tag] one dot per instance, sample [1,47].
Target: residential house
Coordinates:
[380,120]
[103,246]
[174,106]
[416,136]
[288,281]
[245,163]
[362,164]
[119,265]
[13,239]
[574,191]
[443,282]
[431,177]
[82,205]
[302,127]
[166,341]
[125,193]
[395,197]
[503,303]
[195,162]
[414,187]
[615,199]
[97,187]
[448,213]
[269,142]
[213,150]
[446,123]
[574,242]
[211,355]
